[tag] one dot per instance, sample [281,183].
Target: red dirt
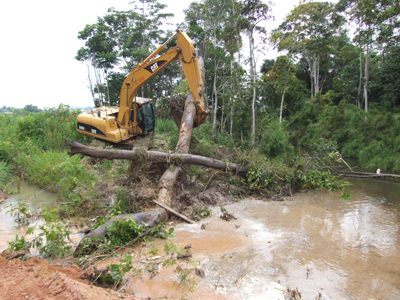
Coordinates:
[36,279]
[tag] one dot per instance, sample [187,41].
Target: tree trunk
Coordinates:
[315,80]
[222,122]
[360,79]
[231,117]
[281,109]
[311,74]
[366,80]
[317,76]
[90,81]
[157,156]
[253,84]
[215,101]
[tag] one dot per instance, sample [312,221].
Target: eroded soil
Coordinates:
[37,279]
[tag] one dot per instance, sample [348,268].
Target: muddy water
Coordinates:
[325,247]
[34,198]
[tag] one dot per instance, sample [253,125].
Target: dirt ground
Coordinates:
[36,279]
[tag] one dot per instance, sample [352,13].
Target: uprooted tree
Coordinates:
[166,192]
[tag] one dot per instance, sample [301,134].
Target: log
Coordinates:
[173,211]
[158,156]
[166,193]
[370,175]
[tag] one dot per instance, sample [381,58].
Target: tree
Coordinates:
[253,12]
[282,77]
[377,28]
[120,40]
[213,25]
[32,108]
[310,31]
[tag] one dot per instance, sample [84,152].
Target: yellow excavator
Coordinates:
[135,115]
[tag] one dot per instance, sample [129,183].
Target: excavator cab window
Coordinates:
[145,117]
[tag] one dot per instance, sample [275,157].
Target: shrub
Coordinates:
[122,232]
[274,140]
[58,171]
[4,174]
[49,129]
[19,243]
[52,238]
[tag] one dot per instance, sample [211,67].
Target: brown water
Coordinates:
[325,247]
[35,198]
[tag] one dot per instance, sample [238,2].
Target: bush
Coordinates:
[52,238]
[58,171]
[274,140]
[50,129]
[4,174]
[19,243]
[52,241]
[122,232]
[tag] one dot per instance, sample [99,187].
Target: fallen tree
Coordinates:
[166,193]
[370,175]
[158,156]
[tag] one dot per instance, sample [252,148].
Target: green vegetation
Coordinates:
[32,147]
[115,272]
[122,232]
[330,95]
[19,243]
[50,239]
[20,213]
[5,174]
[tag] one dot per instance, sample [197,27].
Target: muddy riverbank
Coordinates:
[325,247]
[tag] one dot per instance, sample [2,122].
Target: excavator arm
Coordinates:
[152,65]
[120,125]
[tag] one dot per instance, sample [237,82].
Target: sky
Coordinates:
[39,42]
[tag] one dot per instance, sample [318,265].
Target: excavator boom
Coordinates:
[118,125]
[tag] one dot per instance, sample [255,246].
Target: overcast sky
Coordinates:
[39,42]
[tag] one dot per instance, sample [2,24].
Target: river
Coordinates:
[325,247]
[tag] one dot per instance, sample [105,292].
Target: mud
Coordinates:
[37,279]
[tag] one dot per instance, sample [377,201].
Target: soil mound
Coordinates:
[37,279]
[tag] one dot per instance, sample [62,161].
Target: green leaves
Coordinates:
[122,232]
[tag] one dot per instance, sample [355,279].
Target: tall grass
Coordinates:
[34,145]
[166,126]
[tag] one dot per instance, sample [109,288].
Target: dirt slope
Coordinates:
[36,279]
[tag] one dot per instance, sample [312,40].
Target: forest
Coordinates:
[334,84]
[328,103]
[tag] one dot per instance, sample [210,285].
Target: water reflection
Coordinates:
[369,226]
[316,242]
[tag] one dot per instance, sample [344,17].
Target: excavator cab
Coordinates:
[145,115]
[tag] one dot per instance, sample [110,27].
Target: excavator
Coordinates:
[135,115]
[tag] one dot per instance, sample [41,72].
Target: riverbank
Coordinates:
[314,242]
